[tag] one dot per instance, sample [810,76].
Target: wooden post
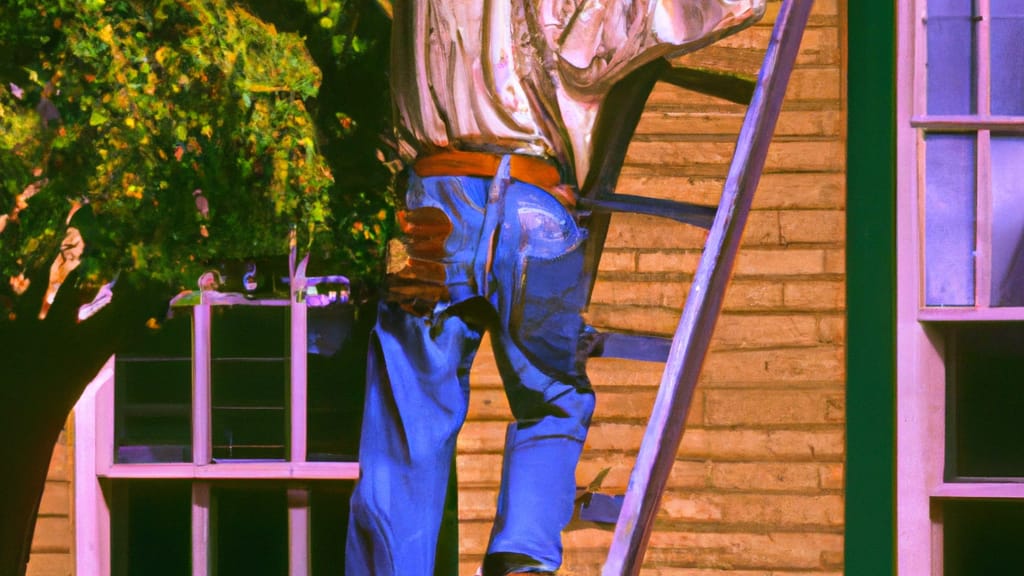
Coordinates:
[665,428]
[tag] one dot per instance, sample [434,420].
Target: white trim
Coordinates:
[238,470]
[299,399]
[915,417]
[202,528]
[92,516]
[298,531]
[202,436]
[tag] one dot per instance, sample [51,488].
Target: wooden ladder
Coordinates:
[685,354]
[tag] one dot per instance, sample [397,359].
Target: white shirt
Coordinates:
[530,76]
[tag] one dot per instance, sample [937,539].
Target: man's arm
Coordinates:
[606,39]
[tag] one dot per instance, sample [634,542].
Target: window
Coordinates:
[960,302]
[223,443]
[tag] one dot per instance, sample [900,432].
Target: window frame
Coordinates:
[921,383]
[95,469]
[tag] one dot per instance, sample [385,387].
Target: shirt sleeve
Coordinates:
[604,40]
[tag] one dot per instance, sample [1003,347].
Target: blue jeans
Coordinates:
[514,265]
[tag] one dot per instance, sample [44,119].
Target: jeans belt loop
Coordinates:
[483,260]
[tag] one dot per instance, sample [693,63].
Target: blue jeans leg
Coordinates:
[416,401]
[542,448]
[538,299]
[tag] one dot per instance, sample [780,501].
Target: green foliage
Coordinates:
[146,110]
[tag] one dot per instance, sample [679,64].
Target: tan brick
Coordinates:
[781,191]
[801,191]
[832,329]
[784,550]
[745,444]
[482,436]
[634,319]
[714,157]
[835,409]
[476,503]
[668,262]
[588,538]
[814,84]
[613,403]
[835,261]
[831,476]
[617,261]
[635,404]
[758,407]
[56,499]
[633,293]
[59,461]
[762,229]
[488,404]
[607,374]
[650,233]
[820,46]
[53,534]
[619,468]
[690,474]
[473,538]
[785,262]
[782,510]
[685,571]
[728,120]
[766,476]
[814,294]
[760,331]
[606,435]
[818,364]
[50,564]
[812,226]
[753,295]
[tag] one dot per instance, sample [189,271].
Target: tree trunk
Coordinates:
[46,366]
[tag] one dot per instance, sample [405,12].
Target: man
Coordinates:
[496,103]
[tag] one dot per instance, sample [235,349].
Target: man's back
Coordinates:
[516,76]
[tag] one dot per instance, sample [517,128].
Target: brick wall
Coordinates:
[53,542]
[757,488]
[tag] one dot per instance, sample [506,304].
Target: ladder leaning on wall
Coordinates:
[685,355]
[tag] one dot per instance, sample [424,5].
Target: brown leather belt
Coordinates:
[529,169]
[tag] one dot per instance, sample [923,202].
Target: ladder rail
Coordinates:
[689,346]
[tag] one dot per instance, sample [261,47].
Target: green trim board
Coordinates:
[871,289]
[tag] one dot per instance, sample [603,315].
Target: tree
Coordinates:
[141,141]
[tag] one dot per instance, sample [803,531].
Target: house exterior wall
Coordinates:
[53,541]
[757,488]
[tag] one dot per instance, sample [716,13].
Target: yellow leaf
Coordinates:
[106,34]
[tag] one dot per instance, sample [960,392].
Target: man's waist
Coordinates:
[529,169]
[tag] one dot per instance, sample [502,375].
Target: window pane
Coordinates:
[153,395]
[336,380]
[1007,57]
[951,48]
[250,331]
[982,537]
[250,416]
[986,395]
[1008,220]
[328,525]
[153,410]
[949,219]
[250,528]
[151,528]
